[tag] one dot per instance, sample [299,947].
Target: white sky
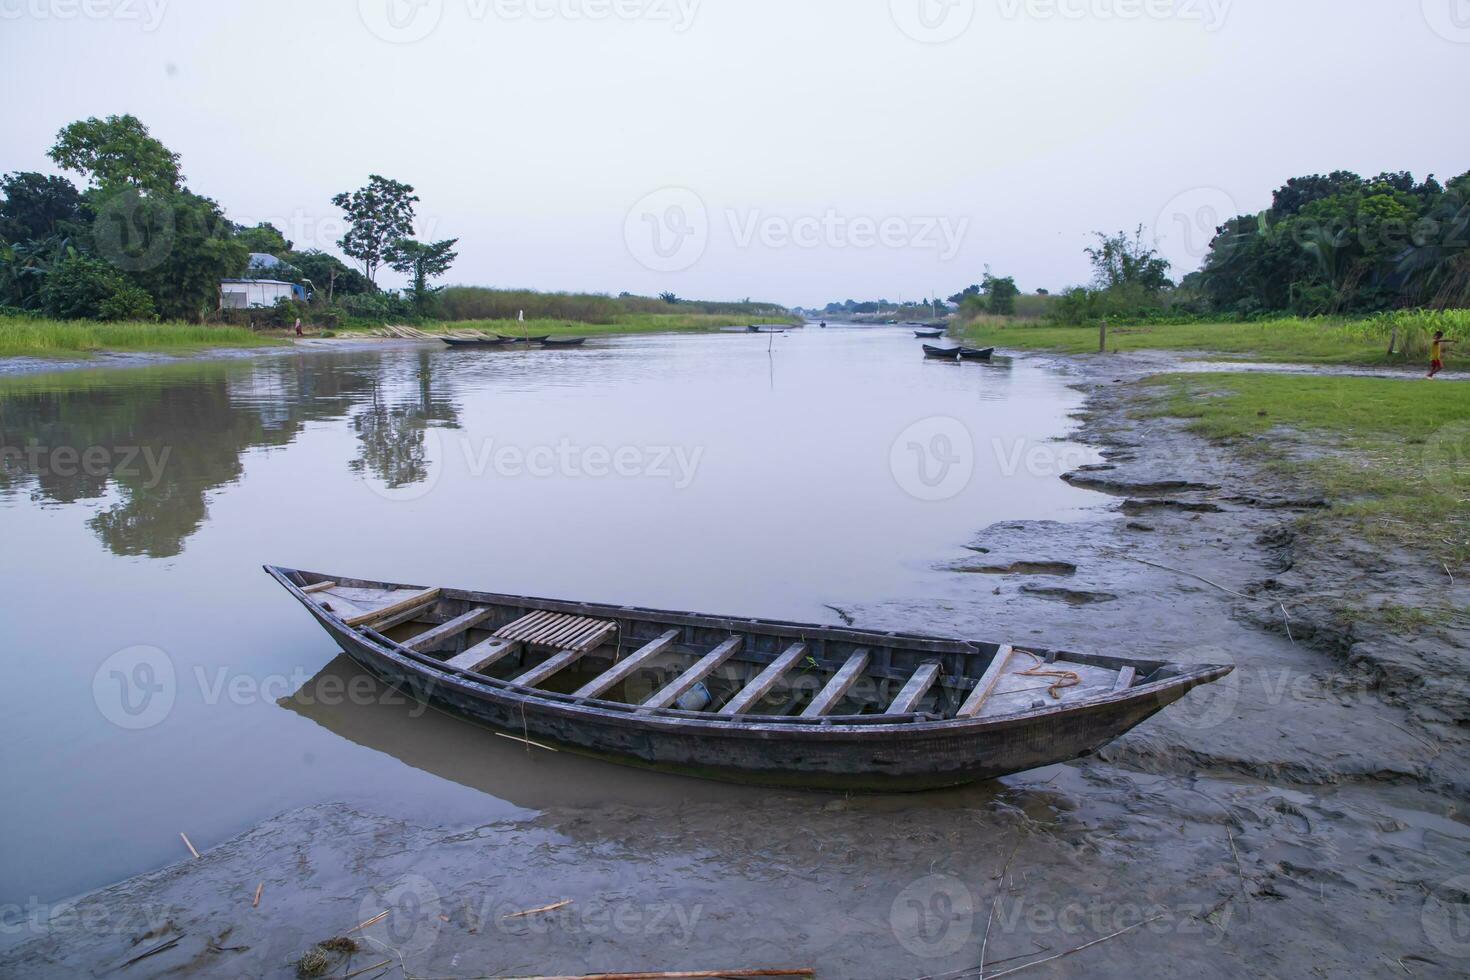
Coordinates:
[533,129]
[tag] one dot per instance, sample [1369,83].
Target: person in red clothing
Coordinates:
[298,327]
[1436,353]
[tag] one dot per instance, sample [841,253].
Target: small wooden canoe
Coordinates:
[523,340]
[942,353]
[473,342]
[928,334]
[977,354]
[564,342]
[748,700]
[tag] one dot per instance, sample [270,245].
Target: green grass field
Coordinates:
[36,337]
[1393,455]
[1286,340]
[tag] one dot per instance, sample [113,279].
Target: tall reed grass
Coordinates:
[36,336]
[478,303]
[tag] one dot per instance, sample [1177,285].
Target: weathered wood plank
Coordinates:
[838,686]
[408,601]
[762,683]
[545,671]
[439,635]
[1125,679]
[484,655]
[598,636]
[407,616]
[612,678]
[913,692]
[707,665]
[976,701]
[319,587]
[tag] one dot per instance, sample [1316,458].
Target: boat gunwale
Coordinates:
[688,722]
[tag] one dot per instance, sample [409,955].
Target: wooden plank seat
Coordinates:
[706,665]
[436,637]
[763,682]
[838,686]
[913,692]
[624,669]
[483,656]
[558,632]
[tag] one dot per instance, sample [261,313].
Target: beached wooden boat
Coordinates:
[976,354]
[942,353]
[523,340]
[740,699]
[928,334]
[473,341]
[564,342]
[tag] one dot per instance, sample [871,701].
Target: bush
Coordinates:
[77,288]
[127,303]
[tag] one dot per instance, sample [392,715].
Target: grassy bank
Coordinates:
[1322,341]
[34,337]
[1392,455]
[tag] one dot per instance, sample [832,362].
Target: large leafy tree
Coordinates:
[421,261]
[117,152]
[181,248]
[379,214]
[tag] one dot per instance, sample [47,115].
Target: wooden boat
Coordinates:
[740,699]
[564,342]
[928,334]
[753,328]
[523,340]
[942,353]
[976,354]
[473,341]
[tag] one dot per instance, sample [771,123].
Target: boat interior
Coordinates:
[717,668]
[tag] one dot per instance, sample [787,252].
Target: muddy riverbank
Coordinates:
[1303,818]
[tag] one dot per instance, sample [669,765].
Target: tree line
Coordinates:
[135,242]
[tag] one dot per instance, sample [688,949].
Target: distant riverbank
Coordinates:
[35,344]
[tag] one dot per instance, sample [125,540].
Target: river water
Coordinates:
[162,683]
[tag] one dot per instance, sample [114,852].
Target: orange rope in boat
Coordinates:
[1064,678]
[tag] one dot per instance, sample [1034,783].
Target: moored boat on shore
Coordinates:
[778,703]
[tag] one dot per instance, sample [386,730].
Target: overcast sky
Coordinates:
[795,150]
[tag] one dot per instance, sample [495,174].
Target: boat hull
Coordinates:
[877,758]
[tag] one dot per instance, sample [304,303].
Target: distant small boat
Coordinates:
[928,334]
[757,329]
[472,342]
[564,342]
[523,340]
[942,353]
[976,354]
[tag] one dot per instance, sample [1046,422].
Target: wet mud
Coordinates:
[1303,818]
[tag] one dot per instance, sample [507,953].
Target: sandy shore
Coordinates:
[1304,818]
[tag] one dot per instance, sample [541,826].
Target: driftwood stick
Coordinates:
[538,910]
[358,973]
[189,844]
[258,889]
[526,742]
[370,922]
[1075,949]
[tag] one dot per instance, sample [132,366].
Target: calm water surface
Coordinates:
[720,473]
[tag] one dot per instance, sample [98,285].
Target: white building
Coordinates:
[242,294]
